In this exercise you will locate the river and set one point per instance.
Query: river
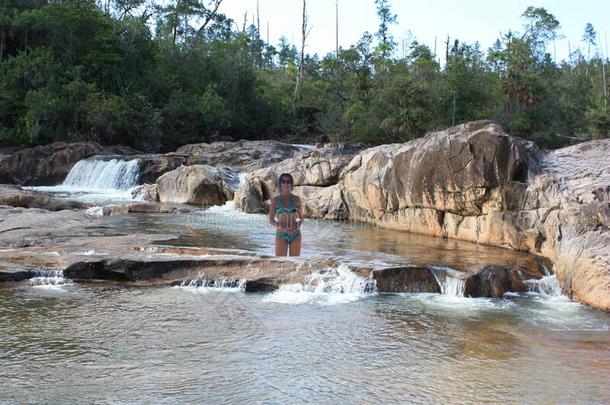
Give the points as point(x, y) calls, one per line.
point(67, 342)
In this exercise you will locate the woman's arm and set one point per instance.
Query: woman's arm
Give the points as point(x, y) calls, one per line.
point(300, 212)
point(272, 220)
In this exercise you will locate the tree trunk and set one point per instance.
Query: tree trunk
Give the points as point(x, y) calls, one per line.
point(2, 44)
point(299, 84)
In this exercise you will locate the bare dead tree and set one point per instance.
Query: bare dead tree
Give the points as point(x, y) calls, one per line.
point(336, 28)
point(304, 33)
point(209, 15)
point(243, 27)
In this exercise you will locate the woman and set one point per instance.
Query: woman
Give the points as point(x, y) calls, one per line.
point(286, 215)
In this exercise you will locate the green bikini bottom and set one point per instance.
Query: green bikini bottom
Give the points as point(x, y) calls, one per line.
point(288, 236)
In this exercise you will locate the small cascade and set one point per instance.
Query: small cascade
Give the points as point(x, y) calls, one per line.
point(227, 208)
point(547, 285)
point(94, 173)
point(450, 285)
point(242, 178)
point(202, 282)
point(453, 287)
point(341, 281)
point(333, 286)
point(49, 278)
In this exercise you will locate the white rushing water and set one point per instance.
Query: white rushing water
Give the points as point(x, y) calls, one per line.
point(101, 174)
point(450, 286)
point(95, 180)
point(334, 286)
point(547, 285)
point(202, 283)
point(49, 279)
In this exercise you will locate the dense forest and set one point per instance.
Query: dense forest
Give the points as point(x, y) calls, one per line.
point(159, 75)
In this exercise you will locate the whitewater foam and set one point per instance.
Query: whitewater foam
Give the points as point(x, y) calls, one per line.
point(334, 286)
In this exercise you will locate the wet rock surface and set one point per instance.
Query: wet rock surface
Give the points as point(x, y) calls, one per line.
point(474, 182)
point(16, 197)
point(89, 248)
point(471, 182)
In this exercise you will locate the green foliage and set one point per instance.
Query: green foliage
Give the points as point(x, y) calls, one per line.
point(129, 120)
point(71, 70)
point(386, 18)
point(600, 123)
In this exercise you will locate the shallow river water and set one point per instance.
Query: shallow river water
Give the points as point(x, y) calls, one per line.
point(179, 344)
point(63, 342)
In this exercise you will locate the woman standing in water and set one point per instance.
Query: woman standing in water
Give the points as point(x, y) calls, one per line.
point(286, 215)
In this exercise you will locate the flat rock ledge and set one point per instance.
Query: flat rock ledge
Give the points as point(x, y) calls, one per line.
point(156, 265)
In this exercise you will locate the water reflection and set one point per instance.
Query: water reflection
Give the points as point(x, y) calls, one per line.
point(226, 228)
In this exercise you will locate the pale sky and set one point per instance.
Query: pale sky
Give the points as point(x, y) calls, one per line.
point(468, 20)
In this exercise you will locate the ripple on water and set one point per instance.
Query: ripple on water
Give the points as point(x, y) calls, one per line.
point(170, 345)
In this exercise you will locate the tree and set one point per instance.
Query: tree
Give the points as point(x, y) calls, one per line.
point(304, 33)
point(590, 38)
point(287, 54)
point(386, 18)
point(541, 27)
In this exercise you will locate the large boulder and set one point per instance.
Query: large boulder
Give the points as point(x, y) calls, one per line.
point(577, 225)
point(462, 170)
point(241, 155)
point(153, 166)
point(198, 184)
point(314, 172)
point(50, 164)
point(314, 168)
point(474, 182)
point(322, 202)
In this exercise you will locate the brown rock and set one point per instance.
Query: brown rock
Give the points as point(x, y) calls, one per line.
point(145, 192)
point(199, 184)
point(405, 279)
point(241, 155)
point(495, 281)
point(16, 197)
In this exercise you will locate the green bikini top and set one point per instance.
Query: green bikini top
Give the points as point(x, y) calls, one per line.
point(279, 207)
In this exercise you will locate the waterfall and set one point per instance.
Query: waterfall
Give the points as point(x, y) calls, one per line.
point(547, 285)
point(49, 278)
point(453, 287)
point(450, 286)
point(94, 173)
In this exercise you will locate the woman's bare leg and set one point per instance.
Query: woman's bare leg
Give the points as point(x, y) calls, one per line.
point(295, 246)
point(281, 246)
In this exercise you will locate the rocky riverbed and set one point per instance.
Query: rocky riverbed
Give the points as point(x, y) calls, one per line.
point(473, 182)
